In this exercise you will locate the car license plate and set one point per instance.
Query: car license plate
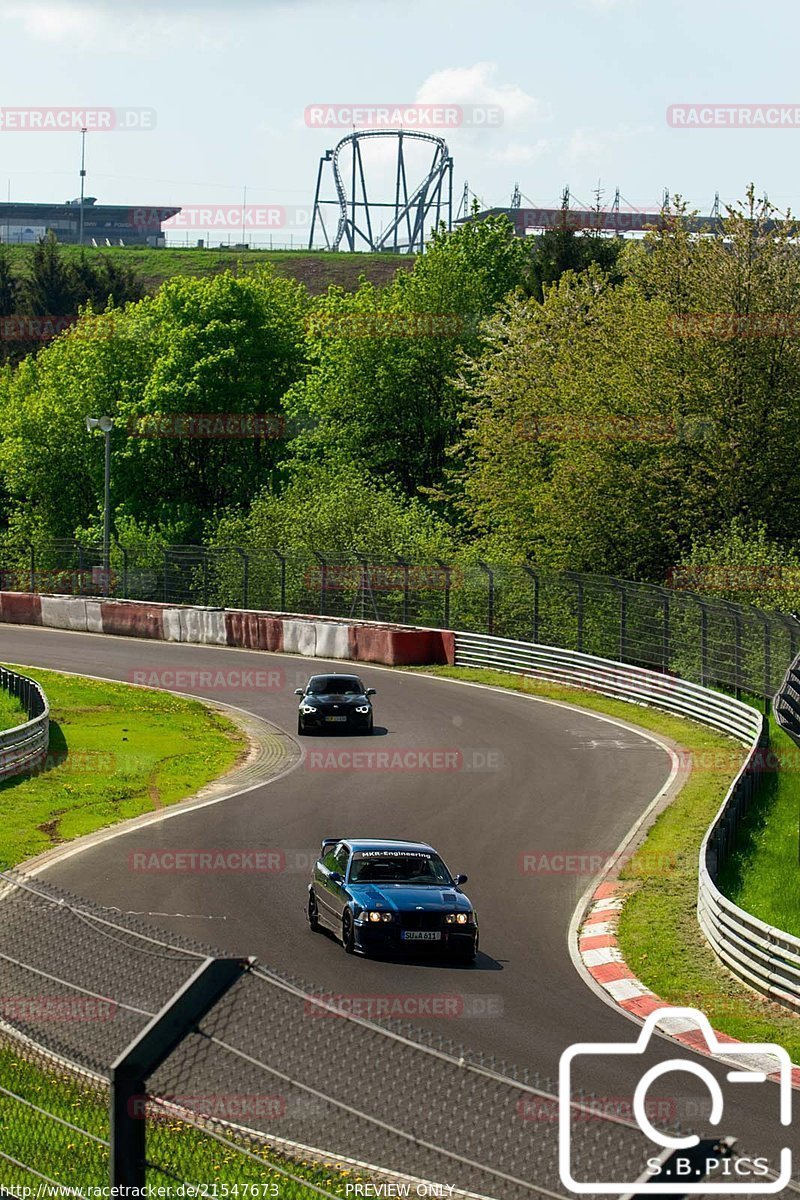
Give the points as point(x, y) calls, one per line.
point(336, 718)
point(419, 935)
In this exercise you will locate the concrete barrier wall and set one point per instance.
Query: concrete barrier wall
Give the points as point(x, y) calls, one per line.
point(276, 632)
point(201, 625)
point(20, 608)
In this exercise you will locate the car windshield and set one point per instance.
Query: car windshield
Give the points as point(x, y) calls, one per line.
point(336, 685)
point(399, 866)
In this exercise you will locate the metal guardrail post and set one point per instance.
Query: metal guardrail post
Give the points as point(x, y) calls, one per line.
point(137, 1062)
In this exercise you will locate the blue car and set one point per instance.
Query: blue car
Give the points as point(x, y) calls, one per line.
point(379, 896)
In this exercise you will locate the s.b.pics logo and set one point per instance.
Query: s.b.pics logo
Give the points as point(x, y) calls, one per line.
point(687, 1165)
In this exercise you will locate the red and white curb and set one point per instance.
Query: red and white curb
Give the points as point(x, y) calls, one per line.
point(601, 955)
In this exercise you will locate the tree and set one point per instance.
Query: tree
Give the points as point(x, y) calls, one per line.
point(380, 391)
point(611, 426)
point(193, 378)
point(49, 289)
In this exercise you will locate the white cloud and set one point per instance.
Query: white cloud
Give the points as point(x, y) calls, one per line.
point(477, 85)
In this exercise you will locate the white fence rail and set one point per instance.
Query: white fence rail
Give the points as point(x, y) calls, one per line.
point(25, 746)
point(761, 956)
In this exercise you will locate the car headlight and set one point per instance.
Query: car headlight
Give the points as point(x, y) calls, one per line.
point(363, 708)
point(307, 708)
point(457, 918)
point(375, 917)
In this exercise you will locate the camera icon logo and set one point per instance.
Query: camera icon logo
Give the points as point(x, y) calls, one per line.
point(760, 1061)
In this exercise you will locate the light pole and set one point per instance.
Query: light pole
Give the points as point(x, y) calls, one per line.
point(83, 183)
point(105, 425)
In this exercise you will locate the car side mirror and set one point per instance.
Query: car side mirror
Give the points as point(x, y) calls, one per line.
point(335, 877)
point(370, 691)
point(299, 692)
point(461, 879)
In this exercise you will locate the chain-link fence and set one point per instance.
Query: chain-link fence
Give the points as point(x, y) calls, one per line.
point(712, 642)
point(277, 1086)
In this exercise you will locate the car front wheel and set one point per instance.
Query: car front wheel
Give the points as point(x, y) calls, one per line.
point(312, 913)
point(348, 932)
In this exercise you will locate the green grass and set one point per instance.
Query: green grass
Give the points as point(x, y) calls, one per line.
point(179, 1152)
point(658, 931)
point(317, 269)
point(764, 876)
point(115, 752)
point(11, 711)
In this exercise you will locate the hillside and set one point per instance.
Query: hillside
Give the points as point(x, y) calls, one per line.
point(316, 269)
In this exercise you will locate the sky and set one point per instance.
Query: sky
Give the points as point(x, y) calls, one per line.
point(570, 93)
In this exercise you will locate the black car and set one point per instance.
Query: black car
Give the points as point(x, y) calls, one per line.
point(335, 702)
point(389, 896)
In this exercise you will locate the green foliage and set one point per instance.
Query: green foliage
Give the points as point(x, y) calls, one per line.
point(743, 564)
point(611, 426)
point(221, 346)
point(380, 392)
point(335, 510)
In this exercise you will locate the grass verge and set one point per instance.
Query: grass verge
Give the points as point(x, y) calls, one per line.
point(11, 711)
point(763, 876)
point(176, 1152)
point(115, 752)
point(658, 930)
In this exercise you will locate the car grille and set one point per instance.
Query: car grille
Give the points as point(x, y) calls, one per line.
point(421, 920)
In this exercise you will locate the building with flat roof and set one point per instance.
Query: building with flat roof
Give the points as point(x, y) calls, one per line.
point(103, 224)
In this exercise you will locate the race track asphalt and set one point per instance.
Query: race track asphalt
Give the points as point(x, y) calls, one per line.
point(534, 779)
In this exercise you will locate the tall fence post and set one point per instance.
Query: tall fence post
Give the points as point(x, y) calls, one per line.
point(166, 571)
point(767, 663)
point(737, 621)
point(282, 560)
point(703, 643)
point(401, 562)
point(323, 582)
point(530, 570)
point(123, 551)
point(623, 623)
point(33, 566)
point(490, 599)
point(665, 640)
point(446, 568)
point(145, 1054)
point(580, 615)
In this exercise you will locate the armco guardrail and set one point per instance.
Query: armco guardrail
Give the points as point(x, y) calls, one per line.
point(25, 746)
point(761, 956)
